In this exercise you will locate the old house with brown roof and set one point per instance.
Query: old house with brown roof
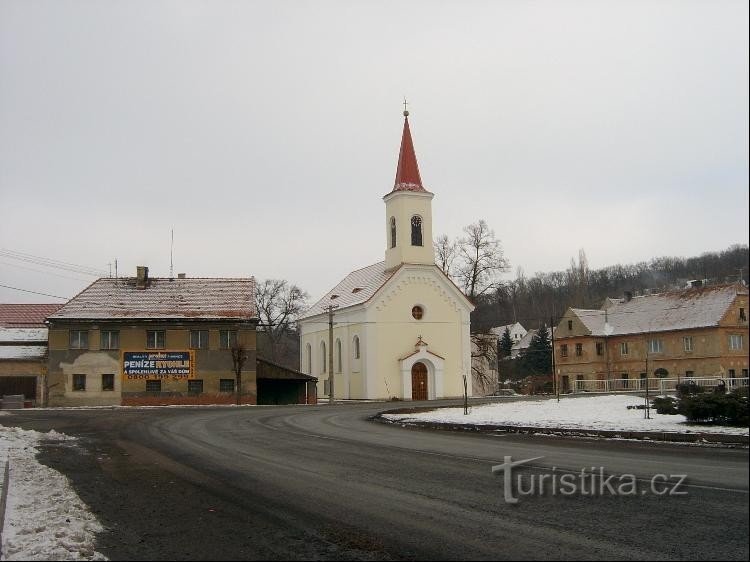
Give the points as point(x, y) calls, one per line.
point(698, 332)
point(23, 350)
point(149, 341)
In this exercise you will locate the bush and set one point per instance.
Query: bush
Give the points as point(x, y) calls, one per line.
point(665, 405)
point(688, 389)
point(723, 409)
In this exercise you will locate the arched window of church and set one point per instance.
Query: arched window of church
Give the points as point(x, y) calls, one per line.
point(416, 230)
point(393, 232)
point(356, 347)
point(323, 357)
point(338, 356)
point(309, 359)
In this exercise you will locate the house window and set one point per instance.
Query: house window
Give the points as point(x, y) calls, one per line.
point(356, 347)
point(570, 325)
point(79, 382)
point(155, 339)
point(689, 374)
point(564, 350)
point(687, 342)
point(743, 318)
point(108, 381)
point(338, 356)
point(579, 349)
point(735, 341)
point(79, 339)
point(416, 230)
point(226, 385)
point(599, 348)
point(195, 386)
point(732, 373)
point(624, 348)
point(744, 373)
point(199, 339)
point(655, 346)
point(227, 339)
point(110, 339)
point(417, 312)
point(153, 386)
point(393, 232)
point(625, 381)
point(643, 377)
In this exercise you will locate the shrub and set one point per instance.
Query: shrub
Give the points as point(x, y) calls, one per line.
point(724, 409)
point(688, 389)
point(665, 405)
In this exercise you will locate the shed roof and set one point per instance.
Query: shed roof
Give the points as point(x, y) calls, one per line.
point(16, 315)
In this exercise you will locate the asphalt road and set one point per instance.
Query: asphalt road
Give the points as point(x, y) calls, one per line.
point(323, 482)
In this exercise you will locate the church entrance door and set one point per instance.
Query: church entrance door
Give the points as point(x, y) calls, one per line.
point(419, 382)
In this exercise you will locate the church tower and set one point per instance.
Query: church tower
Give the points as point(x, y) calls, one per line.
point(408, 211)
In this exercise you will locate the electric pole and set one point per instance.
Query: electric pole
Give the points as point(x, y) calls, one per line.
point(330, 309)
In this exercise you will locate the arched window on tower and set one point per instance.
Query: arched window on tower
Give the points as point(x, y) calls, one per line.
point(356, 347)
point(338, 356)
point(393, 232)
point(416, 230)
point(323, 358)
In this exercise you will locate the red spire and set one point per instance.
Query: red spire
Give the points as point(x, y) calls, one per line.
point(407, 173)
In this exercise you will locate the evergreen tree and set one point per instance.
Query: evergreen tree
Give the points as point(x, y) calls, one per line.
point(538, 359)
point(506, 344)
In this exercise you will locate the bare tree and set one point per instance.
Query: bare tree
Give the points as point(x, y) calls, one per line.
point(446, 251)
point(482, 260)
point(484, 361)
point(279, 304)
point(239, 358)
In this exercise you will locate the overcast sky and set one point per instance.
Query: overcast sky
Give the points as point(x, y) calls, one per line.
point(266, 133)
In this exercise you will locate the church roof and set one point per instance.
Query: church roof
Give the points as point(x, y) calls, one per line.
point(407, 171)
point(356, 288)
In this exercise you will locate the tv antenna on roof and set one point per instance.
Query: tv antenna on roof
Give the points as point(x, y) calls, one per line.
point(171, 251)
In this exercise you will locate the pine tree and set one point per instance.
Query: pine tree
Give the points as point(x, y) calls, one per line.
point(506, 344)
point(538, 359)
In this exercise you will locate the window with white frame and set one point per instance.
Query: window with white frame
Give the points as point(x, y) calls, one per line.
point(227, 339)
point(199, 339)
point(655, 346)
point(79, 339)
point(109, 339)
point(687, 343)
point(735, 341)
point(156, 339)
point(79, 383)
point(624, 348)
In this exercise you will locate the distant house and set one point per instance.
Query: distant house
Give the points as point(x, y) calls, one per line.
point(148, 341)
point(696, 332)
point(522, 346)
point(23, 350)
point(517, 331)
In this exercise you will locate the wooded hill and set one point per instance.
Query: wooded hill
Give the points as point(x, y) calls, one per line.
point(533, 301)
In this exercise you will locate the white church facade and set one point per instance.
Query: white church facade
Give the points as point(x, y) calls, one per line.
point(401, 327)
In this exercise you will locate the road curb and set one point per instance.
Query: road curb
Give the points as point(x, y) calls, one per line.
point(699, 438)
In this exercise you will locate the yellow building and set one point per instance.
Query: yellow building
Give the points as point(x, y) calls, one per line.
point(151, 341)
point(693, 333)
point(401, 326)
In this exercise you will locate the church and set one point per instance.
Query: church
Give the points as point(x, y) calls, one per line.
point(400, 326)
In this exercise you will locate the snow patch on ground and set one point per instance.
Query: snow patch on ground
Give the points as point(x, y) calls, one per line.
point(608, 413)
point(44, 519)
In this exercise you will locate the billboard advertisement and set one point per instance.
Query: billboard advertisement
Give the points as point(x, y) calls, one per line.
point(158, 365)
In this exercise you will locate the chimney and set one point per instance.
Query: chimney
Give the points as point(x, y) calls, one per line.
point(180, 276)
point(628, 296)
point(141, 281)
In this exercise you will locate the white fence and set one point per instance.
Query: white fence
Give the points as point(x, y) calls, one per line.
point(654, 384)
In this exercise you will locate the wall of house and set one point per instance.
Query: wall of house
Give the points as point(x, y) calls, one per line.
point(35, 369)
point(210, 365)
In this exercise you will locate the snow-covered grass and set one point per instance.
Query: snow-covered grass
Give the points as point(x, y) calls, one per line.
point(45, 519)
point(587, 412)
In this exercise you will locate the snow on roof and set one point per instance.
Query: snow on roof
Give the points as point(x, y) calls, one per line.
point(500, 330)
point(23, 352)
point(356, 288)
point(26, 315)
point(188, 298)
point(677, 310)
point(23, 335)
